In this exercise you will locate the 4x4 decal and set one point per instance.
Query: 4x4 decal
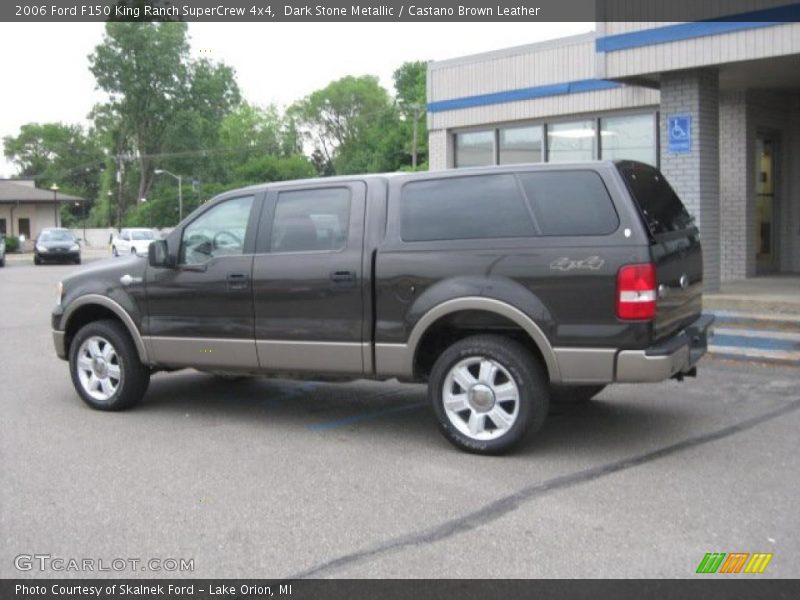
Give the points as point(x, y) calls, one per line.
point(565, 263)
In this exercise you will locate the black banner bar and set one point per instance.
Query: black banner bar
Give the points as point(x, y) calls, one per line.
point(268, 11)
point(709, 588)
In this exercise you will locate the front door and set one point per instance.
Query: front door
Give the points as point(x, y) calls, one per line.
point(307, 279)
point(765, 200)
point(200, 313)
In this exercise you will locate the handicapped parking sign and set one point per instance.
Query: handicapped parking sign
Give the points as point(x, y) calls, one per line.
point(679, 134)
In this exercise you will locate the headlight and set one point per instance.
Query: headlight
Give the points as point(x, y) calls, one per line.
point(41, 249)
point(74, 248)
point(60, 288)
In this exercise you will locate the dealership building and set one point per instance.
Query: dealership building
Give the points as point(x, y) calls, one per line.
point(714, 104)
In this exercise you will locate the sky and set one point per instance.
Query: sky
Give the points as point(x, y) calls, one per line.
point(47, 79)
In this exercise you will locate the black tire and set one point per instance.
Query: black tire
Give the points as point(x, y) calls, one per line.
point(3, 262)
point(36, 260)
point(521, 367)
point(78, 260)
point(574, 394)
point(114, 251)
point(135, 377)
point(133, 251)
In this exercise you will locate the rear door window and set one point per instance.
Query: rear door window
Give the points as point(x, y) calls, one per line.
point(463, 208)
point(660, 206)
point(570, 203)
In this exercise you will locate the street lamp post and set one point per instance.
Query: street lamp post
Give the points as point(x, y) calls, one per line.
point(180, 190)
point(55, 189)
point(83, 217)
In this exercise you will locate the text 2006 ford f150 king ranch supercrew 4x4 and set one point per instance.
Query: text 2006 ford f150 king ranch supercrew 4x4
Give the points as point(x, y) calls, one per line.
point(500, 287)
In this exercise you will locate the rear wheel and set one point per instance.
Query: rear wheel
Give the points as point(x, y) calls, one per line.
point(133, 251)
point(105, 367)
point(574, 394)
point(114, 251)
point(488, 392)
point(37, 260)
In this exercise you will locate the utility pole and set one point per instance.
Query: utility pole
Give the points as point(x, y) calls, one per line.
point(119, 191)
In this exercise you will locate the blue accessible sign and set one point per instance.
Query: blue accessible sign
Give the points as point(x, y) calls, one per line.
point(679, 134)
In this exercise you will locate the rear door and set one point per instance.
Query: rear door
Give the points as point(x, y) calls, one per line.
point(308, 279)
point(675, 247)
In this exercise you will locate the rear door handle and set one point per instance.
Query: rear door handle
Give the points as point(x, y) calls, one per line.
point(238, 281)
point(343, 278)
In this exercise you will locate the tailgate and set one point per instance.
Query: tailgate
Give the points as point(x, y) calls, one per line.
point(674, 245)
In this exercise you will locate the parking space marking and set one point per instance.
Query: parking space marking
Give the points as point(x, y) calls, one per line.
point(506, 504)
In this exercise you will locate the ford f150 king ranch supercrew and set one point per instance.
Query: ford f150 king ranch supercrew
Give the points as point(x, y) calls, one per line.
point(500, 287)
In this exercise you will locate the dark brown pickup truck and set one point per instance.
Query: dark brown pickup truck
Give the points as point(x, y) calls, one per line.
point(500, 287)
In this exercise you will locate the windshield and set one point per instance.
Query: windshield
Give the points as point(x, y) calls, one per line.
point(143, 235)
point(56, 236)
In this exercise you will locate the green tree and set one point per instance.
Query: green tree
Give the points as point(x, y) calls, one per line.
point(351, 124)
point(143, 67)
point(66, 155)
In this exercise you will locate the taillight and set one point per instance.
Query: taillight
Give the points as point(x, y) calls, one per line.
point(636, 292)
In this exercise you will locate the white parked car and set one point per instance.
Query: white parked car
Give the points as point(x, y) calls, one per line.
point(133, 241)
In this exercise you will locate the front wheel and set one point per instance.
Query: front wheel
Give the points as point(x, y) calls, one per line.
point(488, 392)
point(114, 251)
point(105, 367)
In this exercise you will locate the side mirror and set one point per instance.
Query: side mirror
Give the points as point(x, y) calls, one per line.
point(158, 254)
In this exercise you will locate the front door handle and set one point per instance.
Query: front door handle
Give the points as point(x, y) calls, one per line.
point(238, 281)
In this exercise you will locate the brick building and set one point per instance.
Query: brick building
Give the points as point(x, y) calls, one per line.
point(714, 104)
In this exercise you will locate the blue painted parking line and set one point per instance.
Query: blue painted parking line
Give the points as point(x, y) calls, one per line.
point(763, 343)
point(327, 425)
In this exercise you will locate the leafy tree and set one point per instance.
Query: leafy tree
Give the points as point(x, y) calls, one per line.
point(144, 69)
point(347, 123)
point(58, 153)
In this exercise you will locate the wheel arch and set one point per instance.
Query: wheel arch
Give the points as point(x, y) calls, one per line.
point(402, 359)
point(94, 307)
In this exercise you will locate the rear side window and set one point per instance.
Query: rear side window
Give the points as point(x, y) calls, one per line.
point(660, 206)
point(570, 203)
point(464, 208)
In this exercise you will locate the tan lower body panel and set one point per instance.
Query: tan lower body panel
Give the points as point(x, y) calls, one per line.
point(204, 352)
point(315, 357)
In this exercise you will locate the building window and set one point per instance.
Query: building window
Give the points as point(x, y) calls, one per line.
point(2, 226)
point(475, 149)
point(567, 142)
point(520, 145)
point(24, 228)
point(629, 137)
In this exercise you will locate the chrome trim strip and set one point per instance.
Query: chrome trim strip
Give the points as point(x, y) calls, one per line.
point(586, 365)
point(117, 309)
point(398, 359)
point(204, 352)
point(317, 357)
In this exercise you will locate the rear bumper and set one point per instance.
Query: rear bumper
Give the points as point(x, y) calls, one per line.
point(675, 356)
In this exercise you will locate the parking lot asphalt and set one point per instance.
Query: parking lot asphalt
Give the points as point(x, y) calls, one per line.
point(273, 478)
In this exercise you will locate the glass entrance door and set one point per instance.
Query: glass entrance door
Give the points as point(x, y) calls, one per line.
point(765, 204)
